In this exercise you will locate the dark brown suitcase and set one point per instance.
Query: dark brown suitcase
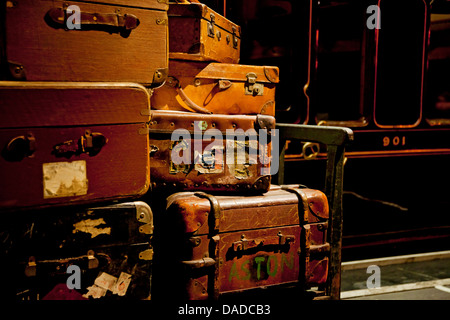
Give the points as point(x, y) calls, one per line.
point(111, 245)
point(208, 159)
point(226, 244)
point(201, 34)
point(118, 40)
point(68, 143)
point(218, 88)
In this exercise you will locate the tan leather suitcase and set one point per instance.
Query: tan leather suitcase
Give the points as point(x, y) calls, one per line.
point(190, 151)
point(199, 33)
point(218, 88)
point(223, 244)
point(117, 40)
point(65, 143)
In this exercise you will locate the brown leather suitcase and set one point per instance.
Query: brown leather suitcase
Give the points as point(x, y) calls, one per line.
point(66, 143)
point(201, 34)
point(229, 244)
point(117, 40)
point(102, 252)
point(218, 88)
point(184, 156)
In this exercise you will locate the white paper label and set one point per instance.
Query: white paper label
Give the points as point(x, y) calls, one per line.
point(106, 281)
point(64, 179)
point(122, 284)
point(95, 292)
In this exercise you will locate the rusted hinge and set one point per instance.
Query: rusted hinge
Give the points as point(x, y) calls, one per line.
point(146, 254)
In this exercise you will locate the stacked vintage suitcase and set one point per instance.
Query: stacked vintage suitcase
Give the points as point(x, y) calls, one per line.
point(75, 107)
point(77, 130)
point(228, 230)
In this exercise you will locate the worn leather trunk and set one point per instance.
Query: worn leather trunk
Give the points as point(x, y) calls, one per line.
point(218, 88)
point(117, 40)
point(201, 34)
point(71, 143)
point(190, 151)
point(109, 245)
point(229, 244)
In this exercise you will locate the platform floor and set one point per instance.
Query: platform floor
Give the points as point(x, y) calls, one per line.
point(410, 277)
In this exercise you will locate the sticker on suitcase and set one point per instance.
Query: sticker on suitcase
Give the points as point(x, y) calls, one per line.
point(65, 179)
point(92, 227)
point(261, 267)
point(242, 149)
point(105, 282)
point(211, 161)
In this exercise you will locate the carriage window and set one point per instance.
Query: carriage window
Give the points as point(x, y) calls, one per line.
point(340, 56)
point(437, 98)
point(400, 63)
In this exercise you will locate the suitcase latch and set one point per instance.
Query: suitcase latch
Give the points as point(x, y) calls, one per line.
point(253, 88)
point(211, 24)
point(235, 38)
point(285, 239)
point(90, 143)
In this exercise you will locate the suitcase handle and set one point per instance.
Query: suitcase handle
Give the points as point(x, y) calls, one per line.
point(59, 17)
point(200, 263)
point(89, 261)
point(278, 240)
point(191, 104)
point(174, 82)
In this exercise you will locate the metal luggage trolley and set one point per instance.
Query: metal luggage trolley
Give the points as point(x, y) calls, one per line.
point(336, 139)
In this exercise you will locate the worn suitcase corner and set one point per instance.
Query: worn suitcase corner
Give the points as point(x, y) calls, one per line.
point(190, 208)
point(262, 184)
point(272, 73)
point(144, 215)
